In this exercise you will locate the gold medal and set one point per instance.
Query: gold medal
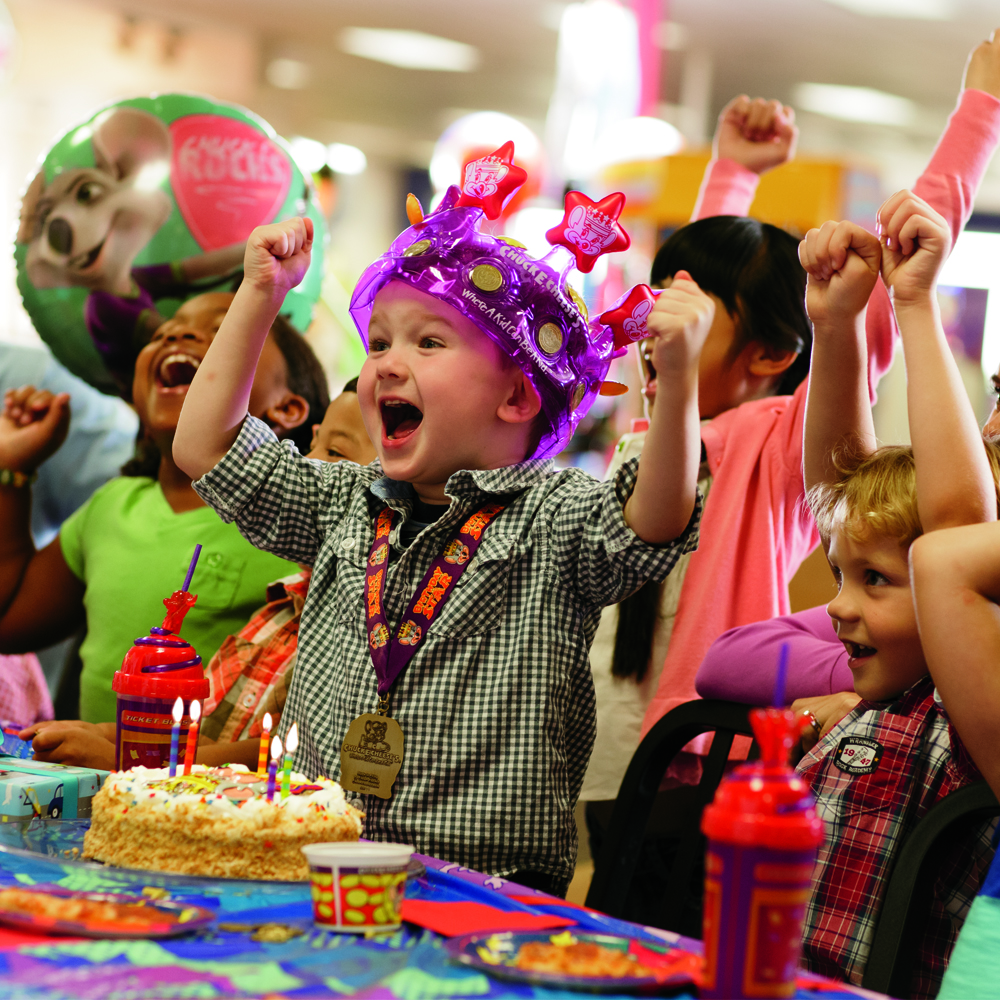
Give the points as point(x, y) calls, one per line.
point(371, 755)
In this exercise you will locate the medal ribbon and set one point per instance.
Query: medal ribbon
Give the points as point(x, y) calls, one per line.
point(391, 654)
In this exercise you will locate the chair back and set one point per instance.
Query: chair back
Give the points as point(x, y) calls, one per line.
point(614, 868)
point(899, 927)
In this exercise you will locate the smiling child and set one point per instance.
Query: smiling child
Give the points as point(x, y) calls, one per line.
point(457, 582)
point(125, 549)
point(880, 769)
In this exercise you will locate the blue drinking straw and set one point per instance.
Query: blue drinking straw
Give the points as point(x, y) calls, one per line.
point(781, 677)
point(194, 562)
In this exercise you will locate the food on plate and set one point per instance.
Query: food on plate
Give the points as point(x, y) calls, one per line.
point(81, 909)
point(578, 959)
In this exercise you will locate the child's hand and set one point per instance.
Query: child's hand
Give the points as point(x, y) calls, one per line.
point(757, 134)
point(679, 322)
point(33, 425)
point(81, 744)
point(277, 255)
point(842, 261)
point(915, 243)
point(982, 71)
point(828, 710)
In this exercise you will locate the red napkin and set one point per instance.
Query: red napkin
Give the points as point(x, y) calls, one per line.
point(550, 901)
point(454, 919)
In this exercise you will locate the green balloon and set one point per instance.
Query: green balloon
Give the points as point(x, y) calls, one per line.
point(140, 208)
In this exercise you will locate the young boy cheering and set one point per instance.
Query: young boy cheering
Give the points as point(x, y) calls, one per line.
point(442, 662)
point(877, 772)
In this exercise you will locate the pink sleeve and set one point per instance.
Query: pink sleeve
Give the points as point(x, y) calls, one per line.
point(727, 188)
point(817, 663)
point(949, 185)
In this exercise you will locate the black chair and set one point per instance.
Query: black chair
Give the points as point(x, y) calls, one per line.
point(899, 925)
point(615, 865)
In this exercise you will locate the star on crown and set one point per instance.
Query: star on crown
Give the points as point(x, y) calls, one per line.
point(629, 318)
point(590, 228)
point(491, 181)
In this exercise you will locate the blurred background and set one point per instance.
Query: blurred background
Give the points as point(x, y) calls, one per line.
point(387, 97)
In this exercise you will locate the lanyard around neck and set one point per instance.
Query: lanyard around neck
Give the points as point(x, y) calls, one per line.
point(391, 654)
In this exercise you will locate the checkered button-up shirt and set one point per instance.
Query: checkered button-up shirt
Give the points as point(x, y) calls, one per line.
point(497, 706)
point(875, 776)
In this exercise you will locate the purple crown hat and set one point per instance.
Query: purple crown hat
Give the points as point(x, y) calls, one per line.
point(524, 305)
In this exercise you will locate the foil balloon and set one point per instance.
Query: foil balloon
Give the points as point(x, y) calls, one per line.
point(140, 208)
point(525, 305)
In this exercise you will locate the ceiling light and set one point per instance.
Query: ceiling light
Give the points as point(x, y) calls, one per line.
point(924, 10)
point(309, 154)
point(635, 139)
point(854, 104)
point(409, 49)
point(479, 130)
point(287, 74)
point(344, 159)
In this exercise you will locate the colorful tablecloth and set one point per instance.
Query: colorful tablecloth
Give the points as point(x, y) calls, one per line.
point(410, 964)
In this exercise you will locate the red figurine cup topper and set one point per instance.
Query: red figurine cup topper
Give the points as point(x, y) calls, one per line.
point(159, 668)
point(763, 836)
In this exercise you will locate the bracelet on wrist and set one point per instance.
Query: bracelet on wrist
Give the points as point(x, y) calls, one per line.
point(19, 480)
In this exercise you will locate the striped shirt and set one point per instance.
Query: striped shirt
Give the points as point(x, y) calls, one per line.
point(497, 706)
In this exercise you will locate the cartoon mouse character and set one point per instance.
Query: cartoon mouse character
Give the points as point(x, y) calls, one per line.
point(373, 738)
point(87, 225)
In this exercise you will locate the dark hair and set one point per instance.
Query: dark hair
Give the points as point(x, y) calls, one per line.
point(306, 378)
point(351, 386)
point(754, 268)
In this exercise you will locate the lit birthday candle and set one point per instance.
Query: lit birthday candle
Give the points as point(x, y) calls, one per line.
point(192, 740)
point(272, 768)
point(265, 739)
point(175, 734)
point(291, 745)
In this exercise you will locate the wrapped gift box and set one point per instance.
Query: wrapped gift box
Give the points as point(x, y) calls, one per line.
point(34, 788)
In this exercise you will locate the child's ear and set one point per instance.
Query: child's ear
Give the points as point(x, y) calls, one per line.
point(523, 403)
point(768, 362)
point(289, 412)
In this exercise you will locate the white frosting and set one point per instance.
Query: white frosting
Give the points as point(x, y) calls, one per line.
point(136, 783)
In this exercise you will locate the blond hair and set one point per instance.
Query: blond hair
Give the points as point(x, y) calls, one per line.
point(876, 493)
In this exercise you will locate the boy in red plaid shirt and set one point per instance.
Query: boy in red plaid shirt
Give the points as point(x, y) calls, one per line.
point(877, 771)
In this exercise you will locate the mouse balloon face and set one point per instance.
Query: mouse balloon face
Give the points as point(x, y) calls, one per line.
point(144, 205)
point(525, 305)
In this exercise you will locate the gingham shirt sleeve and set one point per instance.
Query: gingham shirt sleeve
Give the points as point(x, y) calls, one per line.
point(281, 502)
point(602, 558)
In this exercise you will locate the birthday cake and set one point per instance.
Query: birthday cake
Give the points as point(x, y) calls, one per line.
point(215, 821)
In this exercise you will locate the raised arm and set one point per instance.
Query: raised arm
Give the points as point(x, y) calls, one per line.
point(954, 481)
point(949, 182)
point(752, 137)
point(277, 256)
point(842, 262)
point(41, 601)
point(956, 588)
point(663, 499)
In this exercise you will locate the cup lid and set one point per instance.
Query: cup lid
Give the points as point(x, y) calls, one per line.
point(358, 853)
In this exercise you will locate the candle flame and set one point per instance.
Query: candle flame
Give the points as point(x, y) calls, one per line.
point(267, 722)
point(178, 712)
point(292, 739)
point(195, 710)
point(275, 749)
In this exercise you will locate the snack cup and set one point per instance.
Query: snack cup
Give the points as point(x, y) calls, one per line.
point(357, 887)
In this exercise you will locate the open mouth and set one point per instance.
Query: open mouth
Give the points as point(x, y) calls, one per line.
point(856, 651)
point(648, 368)
point(86, 260)
point(176, 370)
point(399, 418)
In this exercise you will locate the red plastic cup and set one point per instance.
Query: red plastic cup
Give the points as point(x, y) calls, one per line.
point(159, 668)
point(763, 836)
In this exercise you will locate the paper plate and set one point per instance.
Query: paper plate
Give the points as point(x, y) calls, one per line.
point(186, 918)
point(495, 954)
